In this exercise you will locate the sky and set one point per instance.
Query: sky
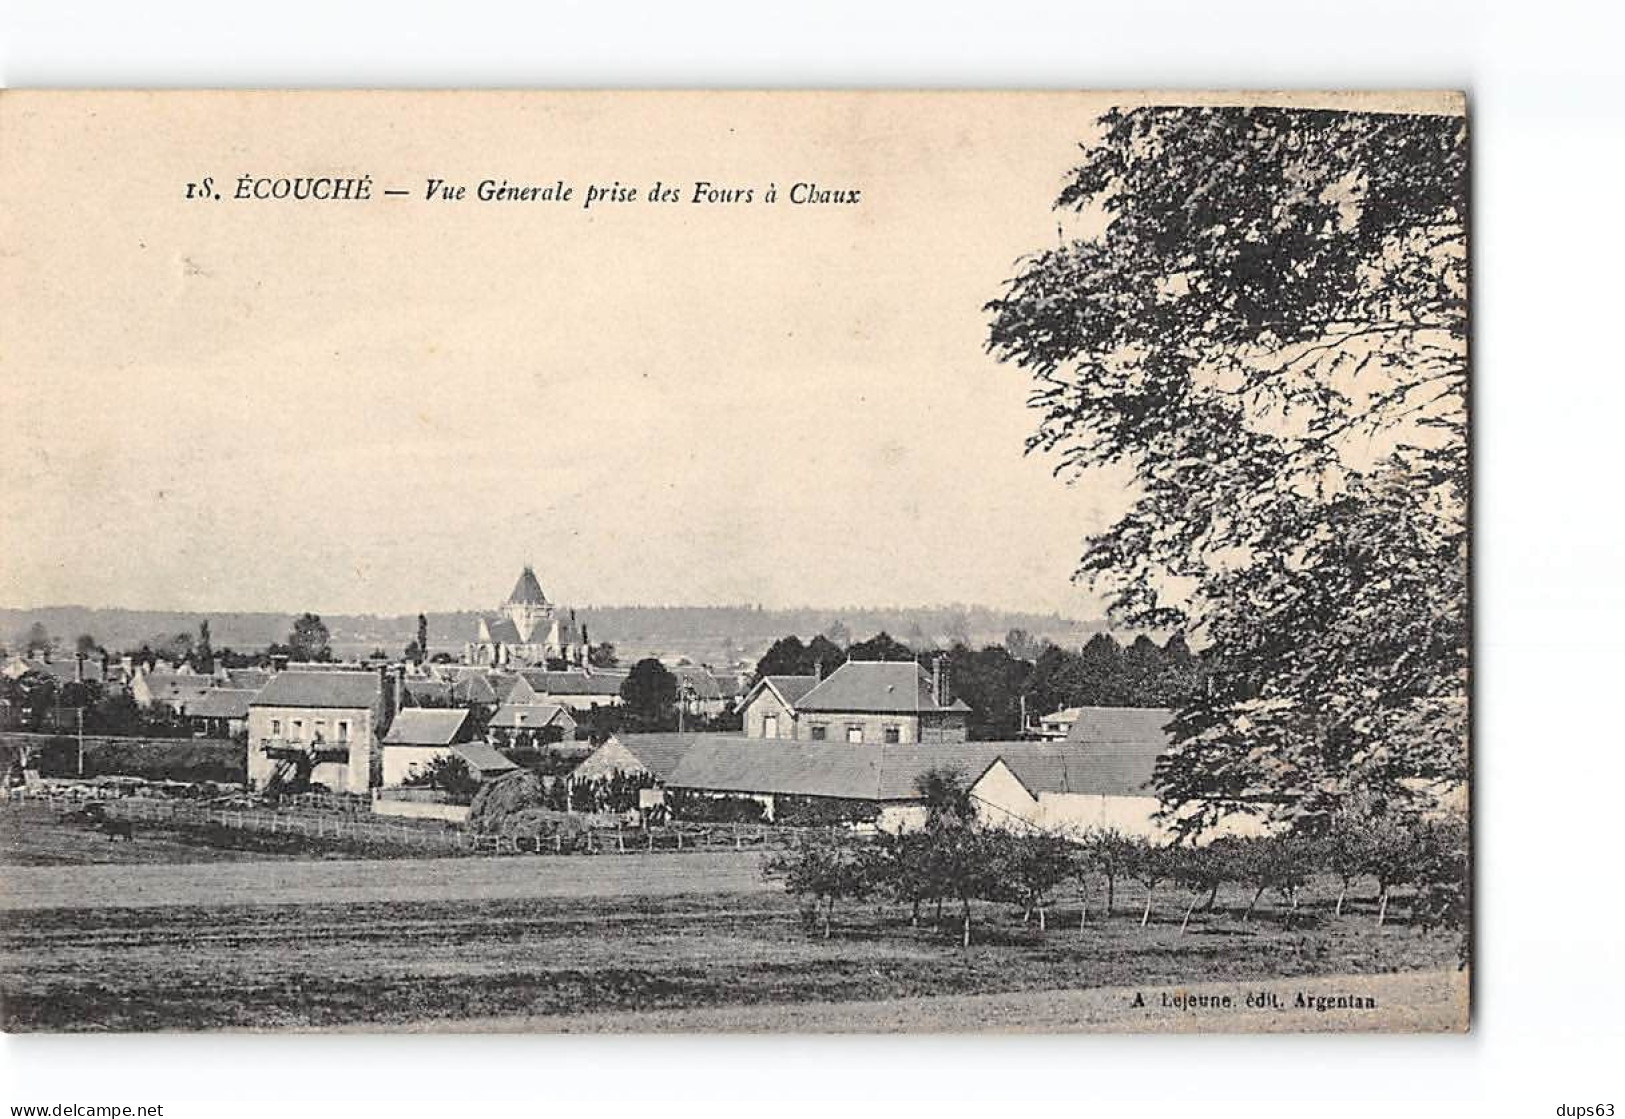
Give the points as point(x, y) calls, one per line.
point(392, 405)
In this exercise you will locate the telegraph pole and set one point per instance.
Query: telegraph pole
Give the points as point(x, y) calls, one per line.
point(80, 712)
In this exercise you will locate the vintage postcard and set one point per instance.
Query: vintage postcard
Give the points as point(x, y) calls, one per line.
point(734, 562)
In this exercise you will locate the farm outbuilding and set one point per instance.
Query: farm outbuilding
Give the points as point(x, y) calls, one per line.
point(419, 736)
point(484, 762)
point(222, 712)
point(1100, 778)
point(633, 754)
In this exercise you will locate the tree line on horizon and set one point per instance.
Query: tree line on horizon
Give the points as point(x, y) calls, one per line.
point(1022, 676)
point(712, 634)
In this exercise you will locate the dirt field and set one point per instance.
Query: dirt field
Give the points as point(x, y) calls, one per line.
point(1413, 1002)
point(360, 881)
point(648, 942)
point(625, 942)
point(33, 835)
point(38, 834)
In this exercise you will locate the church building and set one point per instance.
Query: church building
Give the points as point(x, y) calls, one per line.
point(527, 631)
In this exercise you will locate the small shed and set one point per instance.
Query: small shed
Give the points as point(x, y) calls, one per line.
point(522, 723)
point(222, 712)
point(418, 736)
point(483, 761)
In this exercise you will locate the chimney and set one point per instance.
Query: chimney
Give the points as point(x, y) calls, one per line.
point(386, 693)
point(78, 668)
point(818, 670)
point(936, 680)
point(400, 686)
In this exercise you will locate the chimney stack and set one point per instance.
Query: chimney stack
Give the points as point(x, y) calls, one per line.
point(386, 700)
point(78, 668)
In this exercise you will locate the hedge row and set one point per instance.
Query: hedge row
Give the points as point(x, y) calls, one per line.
point(154, 759)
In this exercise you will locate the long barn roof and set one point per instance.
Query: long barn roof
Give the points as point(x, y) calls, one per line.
point(889, 772)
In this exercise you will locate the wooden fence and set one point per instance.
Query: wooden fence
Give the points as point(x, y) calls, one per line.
point(312, 825)
point(559, 838)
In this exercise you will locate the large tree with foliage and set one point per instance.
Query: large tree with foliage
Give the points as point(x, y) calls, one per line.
point(785, 657)
point(1269, 330)
point(650, 693)
point(789, 656)
point(35, 640)
point(308, 640)
point(881, 647)
point(203, 651)
point(992, 683)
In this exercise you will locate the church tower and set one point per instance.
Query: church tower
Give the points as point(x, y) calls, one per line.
point(527, 607)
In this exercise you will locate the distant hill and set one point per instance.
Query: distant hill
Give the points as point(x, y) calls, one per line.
point(706, 634)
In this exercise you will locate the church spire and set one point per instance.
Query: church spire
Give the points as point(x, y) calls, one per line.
point(527, 591)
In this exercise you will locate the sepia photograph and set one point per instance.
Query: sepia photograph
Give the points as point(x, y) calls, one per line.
point(736, 562)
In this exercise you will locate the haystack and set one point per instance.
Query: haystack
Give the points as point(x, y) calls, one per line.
point(505, 797)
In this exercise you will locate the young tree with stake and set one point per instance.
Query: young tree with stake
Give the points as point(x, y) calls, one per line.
point(1201, 870)
point(1151, 866)
point(1113, 854)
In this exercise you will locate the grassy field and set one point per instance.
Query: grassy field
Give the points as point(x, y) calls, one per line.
point(175, 932)
point(1412, 1001)
point(543, 962)
point(362, 882)
point(35, 834)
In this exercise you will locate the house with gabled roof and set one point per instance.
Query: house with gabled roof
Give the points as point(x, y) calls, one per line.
point(333, 722)
point(886, 702)
point(1054, 726)
point(419, 735)
point(425, 691)
point(769, 708)
point(579, 689)
point(524, 724)
point(242, 679)
point(222, 712)
point(702, 691)
point(177, 691)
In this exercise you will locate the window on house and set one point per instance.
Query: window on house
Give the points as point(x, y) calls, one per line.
point(298, 734)
point(276, 728)
point(854, 734)
point(770, 726)
point(894, 734)
point(819, 732)
point(344, 730)
point(321, 730)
